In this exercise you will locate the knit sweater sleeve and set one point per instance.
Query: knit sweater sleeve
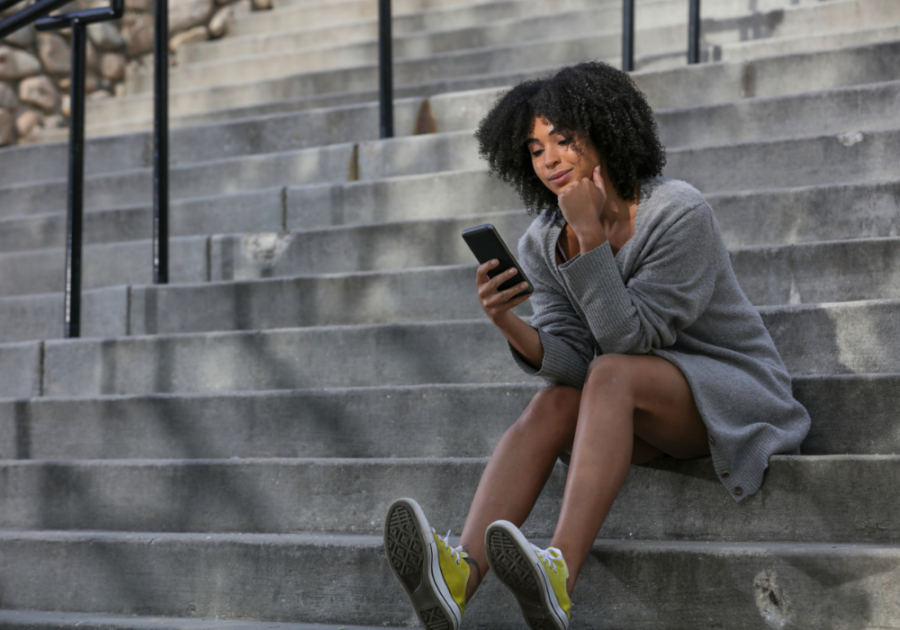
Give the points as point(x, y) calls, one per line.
point(666, 293)
point(568, 347)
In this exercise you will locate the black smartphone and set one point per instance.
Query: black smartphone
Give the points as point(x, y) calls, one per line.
point(486, 244)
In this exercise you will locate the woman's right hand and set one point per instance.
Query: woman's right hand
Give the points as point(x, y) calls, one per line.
point(498, 303)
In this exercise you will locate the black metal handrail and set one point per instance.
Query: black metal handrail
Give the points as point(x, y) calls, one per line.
point(385, 71)
point(78, 21)
point(693, 53)
point(161, 143)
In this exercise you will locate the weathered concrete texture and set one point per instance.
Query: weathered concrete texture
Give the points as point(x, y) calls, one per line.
point(269, 495)
point(847, 338)
point(274, 133)
point(814, 213)
point(217, 177)
point(368, 298)
point(624, 584)
point(755, 165)
point(770, 76)
point(444, 352)
point(822, 339)
point(820, 272)
point(463, 420)
point(661, 33)
point(850, 415)
point(20, 369)
point(429, 196)
point(717, 83)
point(104, 313)
point(378, 246)
point(804, 499)
point(766, 216)
point(253, 211)
point(43, 271)
point(35, 620)
point(849, 109)
point(847, 158)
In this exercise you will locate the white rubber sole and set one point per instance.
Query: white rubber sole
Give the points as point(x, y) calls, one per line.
point(413, 557)
point(516, 565)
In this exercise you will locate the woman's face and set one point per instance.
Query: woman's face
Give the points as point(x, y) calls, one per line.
point(557, 159)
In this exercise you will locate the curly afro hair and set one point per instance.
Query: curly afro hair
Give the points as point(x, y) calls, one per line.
point(591, 100)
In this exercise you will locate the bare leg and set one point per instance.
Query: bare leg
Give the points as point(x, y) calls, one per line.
point(519, 468)
point(631, 407)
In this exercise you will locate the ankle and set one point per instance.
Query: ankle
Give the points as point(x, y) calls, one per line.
point(474, 580)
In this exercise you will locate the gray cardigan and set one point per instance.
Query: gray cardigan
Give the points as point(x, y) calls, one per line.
point(669, 291)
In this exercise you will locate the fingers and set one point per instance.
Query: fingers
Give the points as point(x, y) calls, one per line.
point(492, 300)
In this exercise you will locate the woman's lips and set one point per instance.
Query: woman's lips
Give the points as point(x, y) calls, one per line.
point(561, 177)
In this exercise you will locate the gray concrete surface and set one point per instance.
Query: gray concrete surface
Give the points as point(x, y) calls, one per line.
point(214, 177)
point(104, 313)
point(852, 414)
point(731, 585)
point(718, 82)
point(35, 620)
point(662, 30)
point(804, 499)
point(253, 211)
point(841, 338)
point(43, 270)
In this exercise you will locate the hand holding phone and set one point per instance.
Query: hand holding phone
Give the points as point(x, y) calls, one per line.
point(498, 289)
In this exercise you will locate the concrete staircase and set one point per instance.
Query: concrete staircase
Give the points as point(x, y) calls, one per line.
point(220, 452)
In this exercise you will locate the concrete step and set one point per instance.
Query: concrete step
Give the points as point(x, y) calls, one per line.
point(782, 163)
point(303, 16)
point(253, 211)
point(127, 262)
point(704, 84)
point(793, 274)
point(804, 498)
point(442, 30)
point(810, 42)
point(214, 177)
point(733, 585)
point(768, 215)
point(663, 34)
point(840, 338)
point(104, 313)
point(747, 51)
point(830, 111)
point(865, 270)
point(39, 620)
point(825, 159)
point(851, 414)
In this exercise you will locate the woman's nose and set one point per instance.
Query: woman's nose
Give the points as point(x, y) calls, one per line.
point(551, 157)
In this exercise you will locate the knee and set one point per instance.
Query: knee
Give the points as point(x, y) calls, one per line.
point(548, 410)
point(609, 370)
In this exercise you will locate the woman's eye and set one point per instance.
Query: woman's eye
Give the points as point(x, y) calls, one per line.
point(565, 142)
point(537, 153)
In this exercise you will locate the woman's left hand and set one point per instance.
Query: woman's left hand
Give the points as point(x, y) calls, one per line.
point(581, 203)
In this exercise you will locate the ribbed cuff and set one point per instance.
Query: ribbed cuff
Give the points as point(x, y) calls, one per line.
point(561, 365)
point(596, 282)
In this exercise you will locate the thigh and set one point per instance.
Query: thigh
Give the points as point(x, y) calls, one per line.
point(665, 414)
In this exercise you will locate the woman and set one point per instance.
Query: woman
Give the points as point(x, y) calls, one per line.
point(647, 342)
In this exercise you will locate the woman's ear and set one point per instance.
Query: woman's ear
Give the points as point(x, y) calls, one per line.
point(598, 179)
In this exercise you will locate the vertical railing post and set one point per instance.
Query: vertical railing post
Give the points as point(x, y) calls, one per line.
point(694, 32)
point(385, 71)
point(628, 35)
point(76, 183)
point(161, 144)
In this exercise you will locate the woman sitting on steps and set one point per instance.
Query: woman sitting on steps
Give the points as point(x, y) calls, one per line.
point(647, 342)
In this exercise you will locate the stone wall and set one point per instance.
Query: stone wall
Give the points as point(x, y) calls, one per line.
point(34, 67)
